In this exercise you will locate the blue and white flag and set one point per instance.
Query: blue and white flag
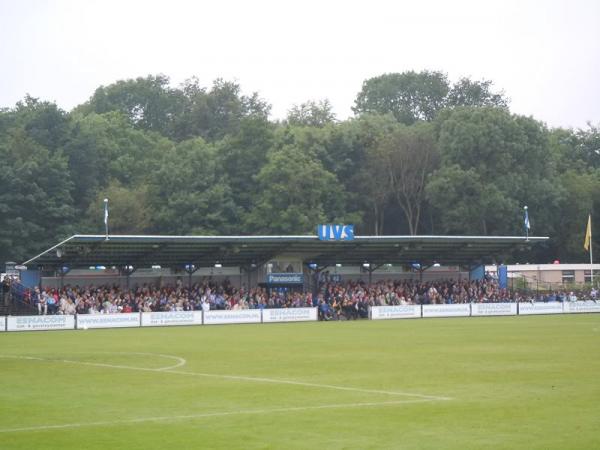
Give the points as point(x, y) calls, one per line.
point(106, 212)
point(527, 226)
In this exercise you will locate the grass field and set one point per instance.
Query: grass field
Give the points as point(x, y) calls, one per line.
point(501, 382)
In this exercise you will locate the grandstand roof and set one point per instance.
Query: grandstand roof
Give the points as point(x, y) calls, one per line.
point(205, 251)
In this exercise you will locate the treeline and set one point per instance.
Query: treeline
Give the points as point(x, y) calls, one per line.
point(422, 155)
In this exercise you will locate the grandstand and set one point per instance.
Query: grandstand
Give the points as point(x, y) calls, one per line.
point(261, 272)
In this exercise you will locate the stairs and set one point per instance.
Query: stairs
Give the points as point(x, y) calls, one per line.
point(16, 304)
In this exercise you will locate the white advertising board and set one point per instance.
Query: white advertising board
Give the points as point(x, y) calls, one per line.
point(527, 308)
point(108, 320)
point(34, 323)
point(162, 319)
point(232, 316)
point(289, 314)
point(396, 312)
point(2, 324)
point(582, 307)
point(452, 310)
point(493, 309)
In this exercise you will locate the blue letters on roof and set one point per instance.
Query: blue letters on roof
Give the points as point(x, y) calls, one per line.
point(335, 232)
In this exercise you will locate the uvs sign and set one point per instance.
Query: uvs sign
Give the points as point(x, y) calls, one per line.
point(335, 232)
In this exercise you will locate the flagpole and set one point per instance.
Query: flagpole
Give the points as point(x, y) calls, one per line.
point(591, 256)
point(526, 223)
point(106, 217)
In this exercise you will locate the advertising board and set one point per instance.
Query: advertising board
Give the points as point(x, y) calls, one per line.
point(582, 307)
point(108, 320)
point(493, 309)
point(163, 319)
point(218, 317)
point(528, 308)
point(396, 312)
point(289, 314)
point(37, 323)
point(451, 310)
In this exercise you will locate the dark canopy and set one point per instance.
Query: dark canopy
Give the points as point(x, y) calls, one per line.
point(80, 251)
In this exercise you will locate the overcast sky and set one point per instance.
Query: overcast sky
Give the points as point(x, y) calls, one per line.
point(544, 54)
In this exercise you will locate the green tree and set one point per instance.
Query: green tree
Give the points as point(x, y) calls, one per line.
point(129, 210)
point(507, 158)
point(36, 209)
point(296, 194)
point(147, 102)
point(242, 155)
point(215, 113)
point(44, 122)
point(106, 146)
point(311, 114)
point(466, 92)
point(409, 96)
point(466, 204)
point(189, 194)
point(581, 199)
point(405, 158)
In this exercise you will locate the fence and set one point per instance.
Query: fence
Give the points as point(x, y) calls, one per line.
point(191, 318)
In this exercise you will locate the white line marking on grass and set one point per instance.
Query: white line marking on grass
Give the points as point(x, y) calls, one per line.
point(241, 378)
point(208, 415)
point(180, 361)
point(303, 383)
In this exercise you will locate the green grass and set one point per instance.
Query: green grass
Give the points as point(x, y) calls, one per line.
point(514, 383)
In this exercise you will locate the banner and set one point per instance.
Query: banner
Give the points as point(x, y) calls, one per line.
point(232, 316)
point(527, 308)
point(35, 323)
point(108, 320)
point(2, 324)
point(289, 314)
point(285, 278)
point(330, 232)
point(502, 277)
point(588, 306)
point(493, 309)
point(162, 319)
point(452, 310)
point(396, 312)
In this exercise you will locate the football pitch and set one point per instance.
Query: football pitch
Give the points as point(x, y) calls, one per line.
point(472, 383)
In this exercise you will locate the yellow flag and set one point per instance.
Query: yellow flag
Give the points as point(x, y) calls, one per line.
point(588, 234)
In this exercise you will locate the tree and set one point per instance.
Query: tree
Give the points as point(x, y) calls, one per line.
point(311, 114)
point(466, 204)
point(189, 194)
point(215, 113)
point(147, 102)
point(106, 146)
point(44, 122)
point(466, 92)
point(412, 96)
point(129, 210)
point(406, 157)
point(409, 96)
point(580, 199)
point(296, 194)
point(490, 155)
point(242, 155)
point(36, 209)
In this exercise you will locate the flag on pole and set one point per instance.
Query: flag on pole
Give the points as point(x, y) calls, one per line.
point(527, 226)
point(588, 234)
point(106, 217)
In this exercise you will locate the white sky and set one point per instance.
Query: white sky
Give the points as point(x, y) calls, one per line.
point(544, 54)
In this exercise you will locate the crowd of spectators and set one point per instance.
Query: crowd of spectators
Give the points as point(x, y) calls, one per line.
point(149, 297)
point(335, 300)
